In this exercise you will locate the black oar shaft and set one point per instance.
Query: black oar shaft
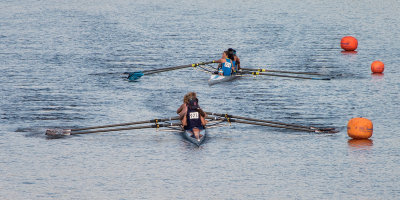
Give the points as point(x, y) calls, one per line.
point(257, 120)
point(128, 128)
point(288, 72)
point(162, 70)
point(288, 76)
point(271, 125)
point(276, 124)
point(165, 69)
point(174, 68)
point(127, 124)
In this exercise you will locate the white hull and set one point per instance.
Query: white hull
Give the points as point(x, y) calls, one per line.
point(214, 79)
point(187, 135)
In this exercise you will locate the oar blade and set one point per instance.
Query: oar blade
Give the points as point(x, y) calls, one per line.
point(58, 132)
point(133, 76)
point(326, 130)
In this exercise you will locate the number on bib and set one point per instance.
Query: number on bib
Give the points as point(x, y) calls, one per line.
point(228, 65)
point(194, 115)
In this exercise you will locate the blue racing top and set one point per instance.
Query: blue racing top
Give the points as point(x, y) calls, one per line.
point(228, 67)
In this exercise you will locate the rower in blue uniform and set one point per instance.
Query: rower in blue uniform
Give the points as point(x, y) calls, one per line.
point(236, 58)
point(228, 62)
point(194, 120)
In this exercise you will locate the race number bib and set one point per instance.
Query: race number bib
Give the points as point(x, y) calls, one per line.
point(194, 115)
point(228, 65)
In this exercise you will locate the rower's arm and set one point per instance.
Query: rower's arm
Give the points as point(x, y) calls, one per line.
point(238, 62)
point(203, 121)
point(184, 121)
point(220, 60)
point(179, 109)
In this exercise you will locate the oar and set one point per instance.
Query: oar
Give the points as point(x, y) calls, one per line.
point(71, 131)
point(257, 120)
point(156, 125)
point(288, 76)
point(288, 72)
point(128, 128)
point(272, 122)
point(270, 125)
point(136, 75)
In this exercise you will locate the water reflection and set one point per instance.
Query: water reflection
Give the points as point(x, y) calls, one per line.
point(361, 144)
point(350, 55)
point(377, 76)
point(349, 52)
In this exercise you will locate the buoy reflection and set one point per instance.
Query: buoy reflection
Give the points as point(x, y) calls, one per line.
point(349, 52)
point(360, 143)
point(377, 76)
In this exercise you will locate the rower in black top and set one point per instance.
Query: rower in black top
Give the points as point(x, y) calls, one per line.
point(194, 120)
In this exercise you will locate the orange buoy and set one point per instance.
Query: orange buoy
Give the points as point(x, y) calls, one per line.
point(359, 128)
point(377, 67)
point(349, 43)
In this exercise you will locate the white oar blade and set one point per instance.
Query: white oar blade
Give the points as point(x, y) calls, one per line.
point(58, 132)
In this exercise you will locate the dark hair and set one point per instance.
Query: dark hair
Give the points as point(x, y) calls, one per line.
point(189, 96)
point(230, 55)
point(232, 50)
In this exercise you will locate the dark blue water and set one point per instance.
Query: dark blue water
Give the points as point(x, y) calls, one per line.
point(62, 65)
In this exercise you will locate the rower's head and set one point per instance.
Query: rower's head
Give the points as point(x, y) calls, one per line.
point(224, 55)
point(229, 54)
point(233, 51)
point(194, 104)
point(188, 96)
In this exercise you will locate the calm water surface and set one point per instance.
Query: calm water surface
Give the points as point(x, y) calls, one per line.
point(61, 65)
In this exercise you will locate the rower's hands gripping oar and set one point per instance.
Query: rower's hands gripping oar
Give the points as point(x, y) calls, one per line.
point(132, 76)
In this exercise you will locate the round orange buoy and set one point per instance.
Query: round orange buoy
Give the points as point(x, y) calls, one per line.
point(349, 43)
point(377, 66)
point(359, 128)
